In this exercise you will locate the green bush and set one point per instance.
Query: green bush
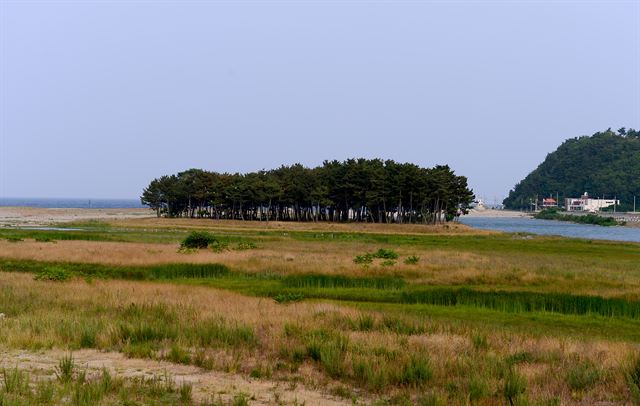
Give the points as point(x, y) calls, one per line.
point(53, 273)
point(44, 239)
point(389, 257)
point(553, 214)
point(412, 260)
point(363, 259)
point(198, 239)
point(219, 246)
point(385, 254)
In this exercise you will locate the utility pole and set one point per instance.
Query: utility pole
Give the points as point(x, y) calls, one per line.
point(634, 204)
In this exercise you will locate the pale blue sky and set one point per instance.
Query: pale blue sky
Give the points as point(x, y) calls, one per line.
point(97, 98)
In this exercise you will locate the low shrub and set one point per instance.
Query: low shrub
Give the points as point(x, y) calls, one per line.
point(288, 297)
point(44, 239)
point(389, 257)
point(553, 214)
point(219, 246)
point(245, 245)
point(385, 254)
point(185, 250)
point(53, 273)
point(198, 239)
point(412, 260)
point(364, 259)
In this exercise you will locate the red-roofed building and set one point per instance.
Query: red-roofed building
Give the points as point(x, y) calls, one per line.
point(549, 202)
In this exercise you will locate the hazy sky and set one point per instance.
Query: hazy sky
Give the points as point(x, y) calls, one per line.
point(98, 98)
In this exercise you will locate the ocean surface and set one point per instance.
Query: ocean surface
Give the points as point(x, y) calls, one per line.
point(71, 203)
point(553, 227)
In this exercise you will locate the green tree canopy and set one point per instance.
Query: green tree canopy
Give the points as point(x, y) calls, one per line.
point(369, 190)
point(604, 164)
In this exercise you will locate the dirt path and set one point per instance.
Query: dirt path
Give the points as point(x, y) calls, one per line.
point(205, 384)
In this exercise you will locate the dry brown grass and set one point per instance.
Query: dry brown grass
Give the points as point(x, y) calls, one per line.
point(238, 225)
point(436, 266)
point(449, 347)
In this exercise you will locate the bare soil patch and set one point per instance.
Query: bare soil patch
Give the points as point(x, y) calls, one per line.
point(35, 216)
point(206, 384)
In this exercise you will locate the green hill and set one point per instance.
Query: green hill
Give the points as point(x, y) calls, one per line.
point(606, 163)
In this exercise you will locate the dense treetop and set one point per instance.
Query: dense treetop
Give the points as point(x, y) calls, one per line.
point(606, 163)
point(370, 190)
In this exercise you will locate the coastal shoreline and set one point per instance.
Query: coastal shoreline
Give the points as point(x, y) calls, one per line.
point(493, 213)
point(18, 216)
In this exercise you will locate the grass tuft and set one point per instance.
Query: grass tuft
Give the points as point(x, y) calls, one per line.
point(288, 297)
point(582, 376)
point(65, 368)
point(633, 380)
point(514, 387)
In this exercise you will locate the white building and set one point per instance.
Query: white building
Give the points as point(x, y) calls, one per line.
point(585, 203)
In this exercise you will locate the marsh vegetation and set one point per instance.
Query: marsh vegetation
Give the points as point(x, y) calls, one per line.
point(459, 316)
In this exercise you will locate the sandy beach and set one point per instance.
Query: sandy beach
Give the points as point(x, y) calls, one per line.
point(35, 216)
point(496, 213)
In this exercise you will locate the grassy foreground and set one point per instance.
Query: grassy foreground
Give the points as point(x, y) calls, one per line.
point(432, 316)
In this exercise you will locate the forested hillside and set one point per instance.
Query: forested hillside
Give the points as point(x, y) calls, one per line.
point(606, 163)
point(370, 190)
